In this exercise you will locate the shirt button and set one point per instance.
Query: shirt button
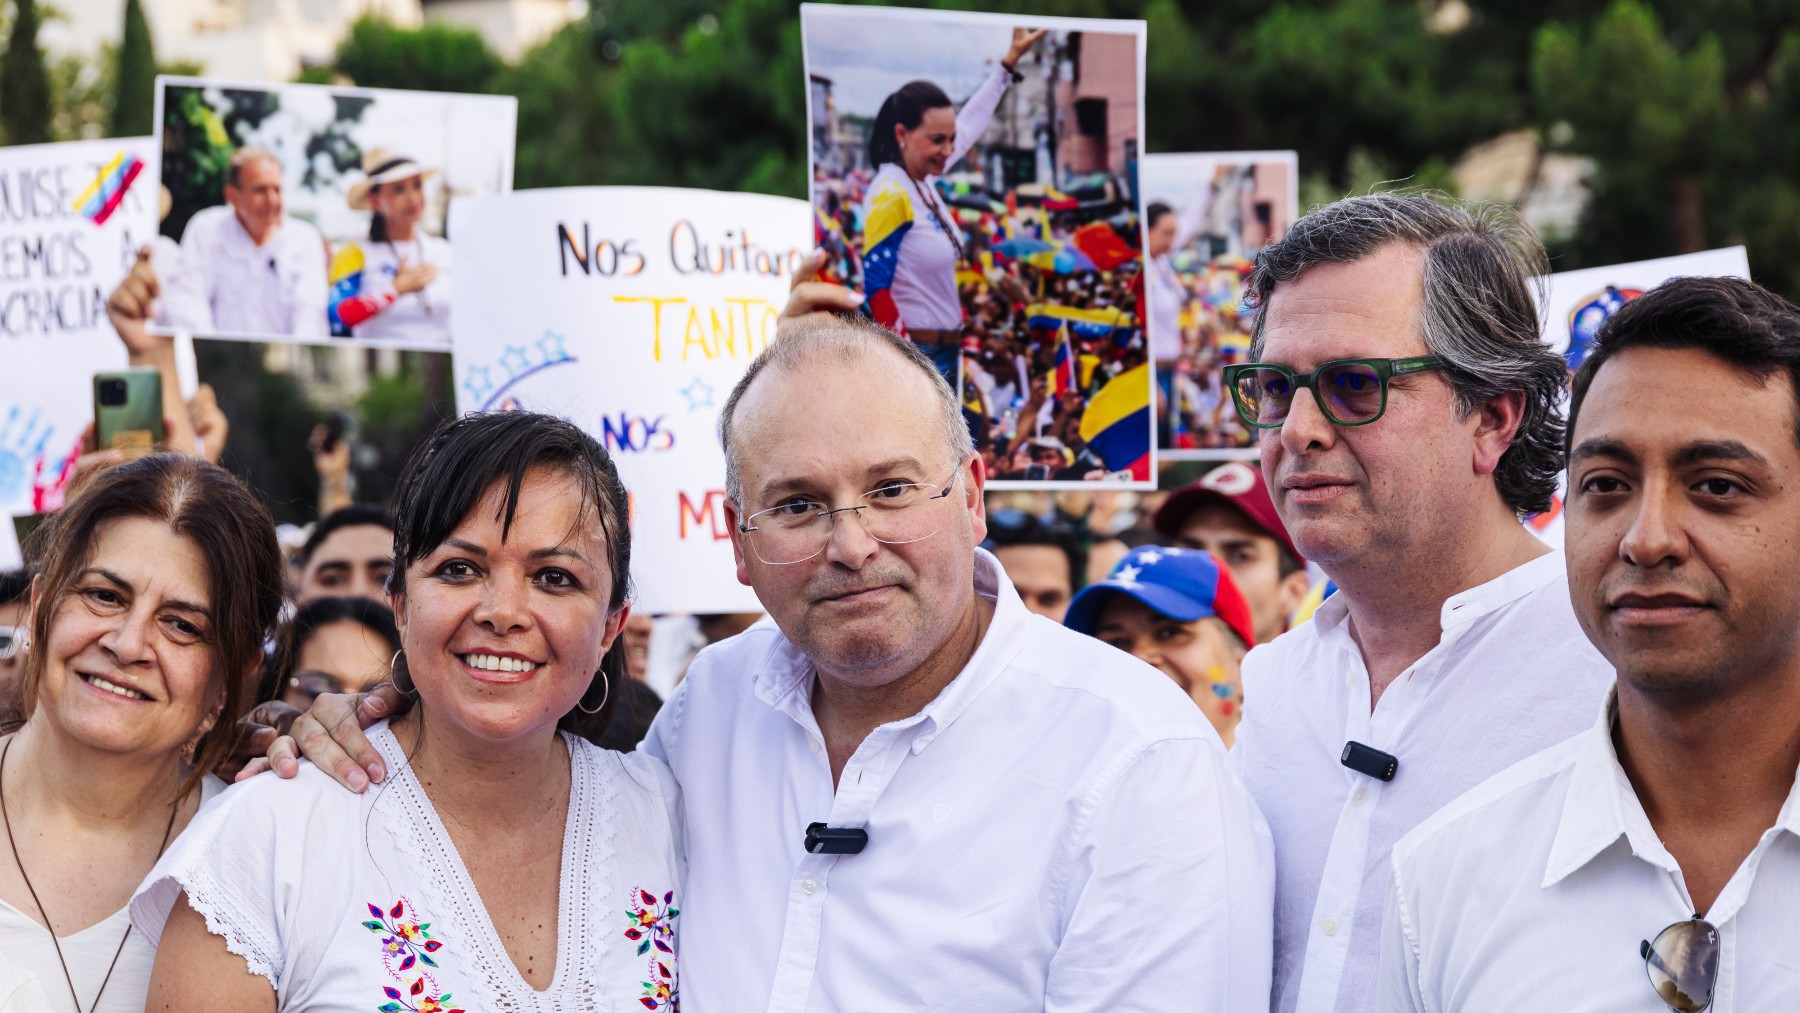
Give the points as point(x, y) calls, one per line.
point(809, 887)
point(1330, 926)
point(1361, 796)
point(812, 744)
point(1348, 678)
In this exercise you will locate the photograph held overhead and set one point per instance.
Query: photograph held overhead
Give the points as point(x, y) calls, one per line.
point(975, 176)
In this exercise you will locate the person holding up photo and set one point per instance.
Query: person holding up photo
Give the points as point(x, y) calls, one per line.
point(396, 285)
point(911, 244)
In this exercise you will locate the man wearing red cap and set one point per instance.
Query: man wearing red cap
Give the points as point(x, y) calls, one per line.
point(1229, 514)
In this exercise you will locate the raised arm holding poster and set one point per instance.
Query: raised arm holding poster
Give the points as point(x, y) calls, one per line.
point(976, 177)
point(72, 217)
point(631, 311)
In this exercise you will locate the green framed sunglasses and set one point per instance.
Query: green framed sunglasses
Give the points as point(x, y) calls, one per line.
point(1349, 392)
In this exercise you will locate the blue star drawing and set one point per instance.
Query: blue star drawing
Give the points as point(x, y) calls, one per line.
point(479, 382)
point(699, 394)
point(22, 442)
point(551, 344)
point(515, 360)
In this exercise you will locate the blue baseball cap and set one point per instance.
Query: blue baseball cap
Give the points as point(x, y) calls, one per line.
point(1183, 584)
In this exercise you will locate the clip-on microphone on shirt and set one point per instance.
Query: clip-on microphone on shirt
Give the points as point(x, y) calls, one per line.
point(824, 840)
point(1371, 761)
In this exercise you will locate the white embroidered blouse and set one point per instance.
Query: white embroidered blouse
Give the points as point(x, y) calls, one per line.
point(359, 903)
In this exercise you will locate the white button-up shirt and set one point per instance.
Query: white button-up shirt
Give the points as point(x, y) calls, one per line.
point(229, 285)
point(1058, 830)
point(1533, 892)
point(1512, 674)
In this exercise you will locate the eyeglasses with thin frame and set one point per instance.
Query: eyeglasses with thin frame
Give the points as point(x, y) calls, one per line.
point(797, 529)
point(1683, 964)
point(1349, 392)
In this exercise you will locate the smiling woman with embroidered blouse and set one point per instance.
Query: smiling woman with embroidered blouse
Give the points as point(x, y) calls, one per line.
point(490, 870)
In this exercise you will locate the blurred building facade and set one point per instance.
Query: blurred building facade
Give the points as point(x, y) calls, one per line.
point(273, 40)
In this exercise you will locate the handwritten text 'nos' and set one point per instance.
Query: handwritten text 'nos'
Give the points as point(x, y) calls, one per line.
point(735, 253)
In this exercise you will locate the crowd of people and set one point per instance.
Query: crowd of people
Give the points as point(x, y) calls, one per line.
point(1072, 758)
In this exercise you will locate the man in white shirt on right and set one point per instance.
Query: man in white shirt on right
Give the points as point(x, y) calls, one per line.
point(247, 268)
point(1450, 648)
point(1652, 862)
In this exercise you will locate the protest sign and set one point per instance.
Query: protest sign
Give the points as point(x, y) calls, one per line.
point(1575, 304)
point(631, 311)
point(315, 214)
point(1207, 217)
point(71, 219)
point(976, 177)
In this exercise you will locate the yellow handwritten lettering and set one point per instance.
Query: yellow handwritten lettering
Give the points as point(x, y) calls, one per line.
point(656, 344)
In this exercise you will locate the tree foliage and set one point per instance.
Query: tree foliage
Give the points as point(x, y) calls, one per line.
point(134, 88)
point(25, 110)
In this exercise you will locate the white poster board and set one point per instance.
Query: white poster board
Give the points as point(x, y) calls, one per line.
point(1579, 302)
point(71, 219)
point(631, 311)
point(1576, 303)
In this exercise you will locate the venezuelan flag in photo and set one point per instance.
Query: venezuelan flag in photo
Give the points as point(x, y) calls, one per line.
point(890, 216)
point(1091, 324)
point(1062, 377)
point(1117, 425)
point(102, 197)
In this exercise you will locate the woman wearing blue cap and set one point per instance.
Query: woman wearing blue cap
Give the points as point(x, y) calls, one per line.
point(1179, 611)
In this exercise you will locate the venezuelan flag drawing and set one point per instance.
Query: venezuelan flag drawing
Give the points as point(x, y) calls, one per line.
point(1062, 375)
point(890, 216)
point(1117, 424)
point(346, 285)
point(102, 197)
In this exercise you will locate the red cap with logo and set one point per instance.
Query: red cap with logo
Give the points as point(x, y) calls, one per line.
point(1236, 482)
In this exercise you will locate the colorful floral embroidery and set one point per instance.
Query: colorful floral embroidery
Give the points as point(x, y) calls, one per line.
point(405, 942)
point(651, 924)
point(417, 990)
point(404, 937)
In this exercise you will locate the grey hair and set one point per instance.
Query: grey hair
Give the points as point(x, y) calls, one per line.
point(1481, 267)
point(841, 338)
point(234, 168)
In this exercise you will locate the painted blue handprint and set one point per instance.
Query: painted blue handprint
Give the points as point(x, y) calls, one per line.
point(22, 442)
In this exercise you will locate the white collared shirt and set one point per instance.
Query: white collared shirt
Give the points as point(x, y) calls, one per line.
point(1534, 891)
point(229, 285)
point(1512, 674)
point(1058, 830)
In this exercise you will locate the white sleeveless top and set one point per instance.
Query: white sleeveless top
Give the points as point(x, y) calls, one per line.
point(26, 945)
point(360, 903)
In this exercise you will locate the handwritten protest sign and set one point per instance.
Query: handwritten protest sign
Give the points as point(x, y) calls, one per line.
point(630, 311)
point(71, 218)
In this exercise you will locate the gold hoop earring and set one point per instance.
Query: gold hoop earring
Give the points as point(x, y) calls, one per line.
point(605, 692)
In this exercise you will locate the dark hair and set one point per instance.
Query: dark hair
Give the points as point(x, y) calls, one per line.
point(15, 586)
point(1007, 528)
point(449, 474)
point(1478, 312)
point(355, 515)
point(230, 527)
point(1737, 320)
point(313, 616)
point(626, 724)
point(378, 230)
point(905, 107)
point(1154, 211)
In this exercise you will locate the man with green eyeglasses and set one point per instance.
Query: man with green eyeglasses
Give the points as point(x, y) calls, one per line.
point(1408, 415)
